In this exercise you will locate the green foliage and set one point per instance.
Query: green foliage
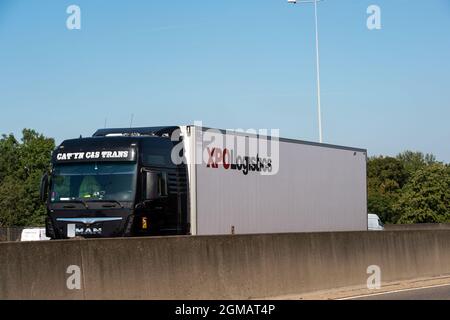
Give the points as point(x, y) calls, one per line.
point(426, 197)
point(386, 177)
point(410, 188)
point(413, 161)
point(21, 167)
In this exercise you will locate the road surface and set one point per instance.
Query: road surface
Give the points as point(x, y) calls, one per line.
point(435, 288)
point(437, 292)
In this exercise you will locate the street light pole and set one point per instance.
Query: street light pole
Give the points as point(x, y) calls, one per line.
point(319, 111)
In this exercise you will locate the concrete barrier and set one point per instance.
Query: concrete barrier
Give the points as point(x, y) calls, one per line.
point(218, 267)
point(417, 226)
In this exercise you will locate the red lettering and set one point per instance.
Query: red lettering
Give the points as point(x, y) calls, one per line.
point(226, 162)
point(211, 162)
point(218, 157)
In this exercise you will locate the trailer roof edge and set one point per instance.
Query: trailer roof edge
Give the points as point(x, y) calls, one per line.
point(290, 140)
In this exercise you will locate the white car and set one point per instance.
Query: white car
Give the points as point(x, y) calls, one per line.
point(33, 234)
point(374, 222)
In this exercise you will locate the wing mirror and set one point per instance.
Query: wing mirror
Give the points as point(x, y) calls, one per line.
point(43, 192)
point(155, 185)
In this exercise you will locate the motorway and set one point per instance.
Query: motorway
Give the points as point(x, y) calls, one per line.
point(434, 288)
point(437, 292)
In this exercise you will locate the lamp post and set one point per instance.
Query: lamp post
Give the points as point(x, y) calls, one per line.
point(319, 112)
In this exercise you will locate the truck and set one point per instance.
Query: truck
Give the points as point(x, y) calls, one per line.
point(191, 180)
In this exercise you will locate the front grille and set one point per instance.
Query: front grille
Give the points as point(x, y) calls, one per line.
point(177, 181)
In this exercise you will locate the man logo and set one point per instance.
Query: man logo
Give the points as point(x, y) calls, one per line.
point(88, 231)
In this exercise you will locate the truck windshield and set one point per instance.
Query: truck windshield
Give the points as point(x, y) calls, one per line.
point(93, 181)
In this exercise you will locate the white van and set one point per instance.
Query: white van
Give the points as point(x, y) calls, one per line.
point(374, 222)
point(33, 234)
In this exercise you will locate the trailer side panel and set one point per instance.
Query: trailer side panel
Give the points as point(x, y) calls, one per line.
point(317, 188)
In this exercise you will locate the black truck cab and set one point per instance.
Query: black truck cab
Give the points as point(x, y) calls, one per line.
point(120, 182)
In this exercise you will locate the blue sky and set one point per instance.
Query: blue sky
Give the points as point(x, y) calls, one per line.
point(231, 64)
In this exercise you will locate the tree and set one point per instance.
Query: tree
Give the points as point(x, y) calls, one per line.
point(413, 161)
point(386, 177)
point(21, 167)
point(8, 156)
point(426, 197)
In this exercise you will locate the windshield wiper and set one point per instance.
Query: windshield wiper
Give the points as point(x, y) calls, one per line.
point(77, 201)
point(108, 201)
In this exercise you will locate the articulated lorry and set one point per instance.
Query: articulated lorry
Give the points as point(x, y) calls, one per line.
point(190, 180)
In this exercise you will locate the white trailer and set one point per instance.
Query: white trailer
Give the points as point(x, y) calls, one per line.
point(308, 187)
